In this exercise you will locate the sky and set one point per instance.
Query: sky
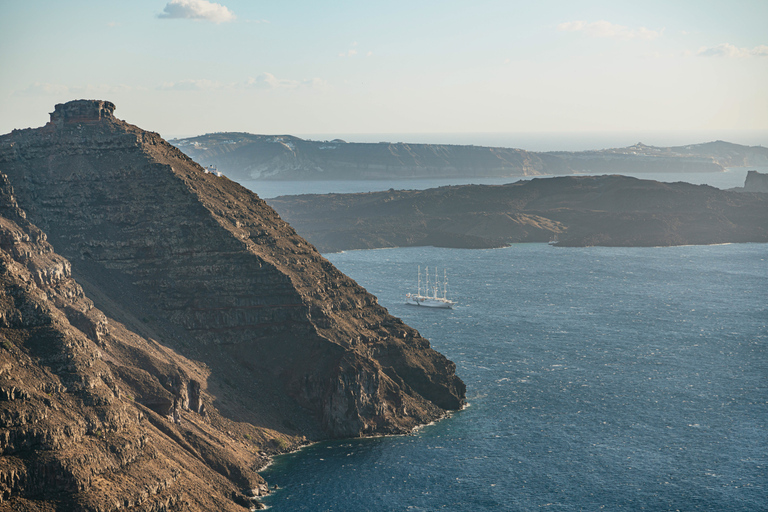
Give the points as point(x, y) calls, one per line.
point(189, 67)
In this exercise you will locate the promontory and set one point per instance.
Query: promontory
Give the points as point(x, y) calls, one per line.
point(163, 331)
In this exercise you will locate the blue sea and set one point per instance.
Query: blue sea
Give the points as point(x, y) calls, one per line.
point(598, 379)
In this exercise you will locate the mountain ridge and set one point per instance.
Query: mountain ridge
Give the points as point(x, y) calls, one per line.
point(244, 156)
point(284, 348)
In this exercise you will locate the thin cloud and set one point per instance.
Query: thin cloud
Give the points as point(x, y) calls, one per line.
point(43, 89)
point(730, 51)
point(52, 89)
point(270, 81)
point(351, 52)
point(196, 10)
point(192, 85)
point(104, 89)
point(606, 29)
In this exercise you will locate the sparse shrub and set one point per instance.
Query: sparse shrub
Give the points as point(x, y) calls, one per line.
point(280, 443)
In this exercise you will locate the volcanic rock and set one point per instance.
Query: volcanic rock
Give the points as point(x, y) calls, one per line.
point(580, 210)
point(756, 182)
point(181, 331)
point(92, 416)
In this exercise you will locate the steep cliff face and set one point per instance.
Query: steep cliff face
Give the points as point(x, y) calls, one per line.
point(94, 417)
point(756, 182)
point(280, 341)
point(284, 157)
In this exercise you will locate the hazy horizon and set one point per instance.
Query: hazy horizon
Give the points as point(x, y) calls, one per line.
point(195, 66)
point(555, 141)
point(539, 141)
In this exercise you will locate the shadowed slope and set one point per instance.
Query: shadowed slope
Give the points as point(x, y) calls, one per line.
point(281, 343)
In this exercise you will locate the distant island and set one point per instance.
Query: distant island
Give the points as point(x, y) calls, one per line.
point(755, 182)
point(244, 156)
point(607, 210)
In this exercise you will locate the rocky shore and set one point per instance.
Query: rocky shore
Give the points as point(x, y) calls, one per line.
point(163, 332)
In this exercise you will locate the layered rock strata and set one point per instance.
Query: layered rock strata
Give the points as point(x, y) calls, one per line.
point(283, 345)
point(94, 417)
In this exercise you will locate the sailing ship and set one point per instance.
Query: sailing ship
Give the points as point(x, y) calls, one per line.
point(432, 297)
point(553, 240)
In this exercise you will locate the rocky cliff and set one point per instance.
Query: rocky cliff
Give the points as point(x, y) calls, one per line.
point(220, 336)
point(244, 156)
point(581, 211)
point(93, 416)
point(756, 182)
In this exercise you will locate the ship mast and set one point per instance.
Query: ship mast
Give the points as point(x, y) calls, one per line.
point(445, 284)
point(418, 292)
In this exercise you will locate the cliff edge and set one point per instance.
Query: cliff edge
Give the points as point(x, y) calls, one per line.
point(756, 182)
point(282, 346)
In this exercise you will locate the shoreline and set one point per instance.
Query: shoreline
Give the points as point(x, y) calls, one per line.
point(541, 243)
point(414, 431)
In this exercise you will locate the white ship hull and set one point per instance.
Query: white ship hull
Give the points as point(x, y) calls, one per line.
point(428, 302)
point(431, 298)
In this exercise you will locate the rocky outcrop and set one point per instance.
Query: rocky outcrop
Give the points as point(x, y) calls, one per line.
point(756, 182)
point(80, 423)
point(226, 335)
point(81, 111)
point(581, 211)
point(245, 156)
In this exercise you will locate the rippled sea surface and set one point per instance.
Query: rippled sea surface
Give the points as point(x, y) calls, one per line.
point(598, 378)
